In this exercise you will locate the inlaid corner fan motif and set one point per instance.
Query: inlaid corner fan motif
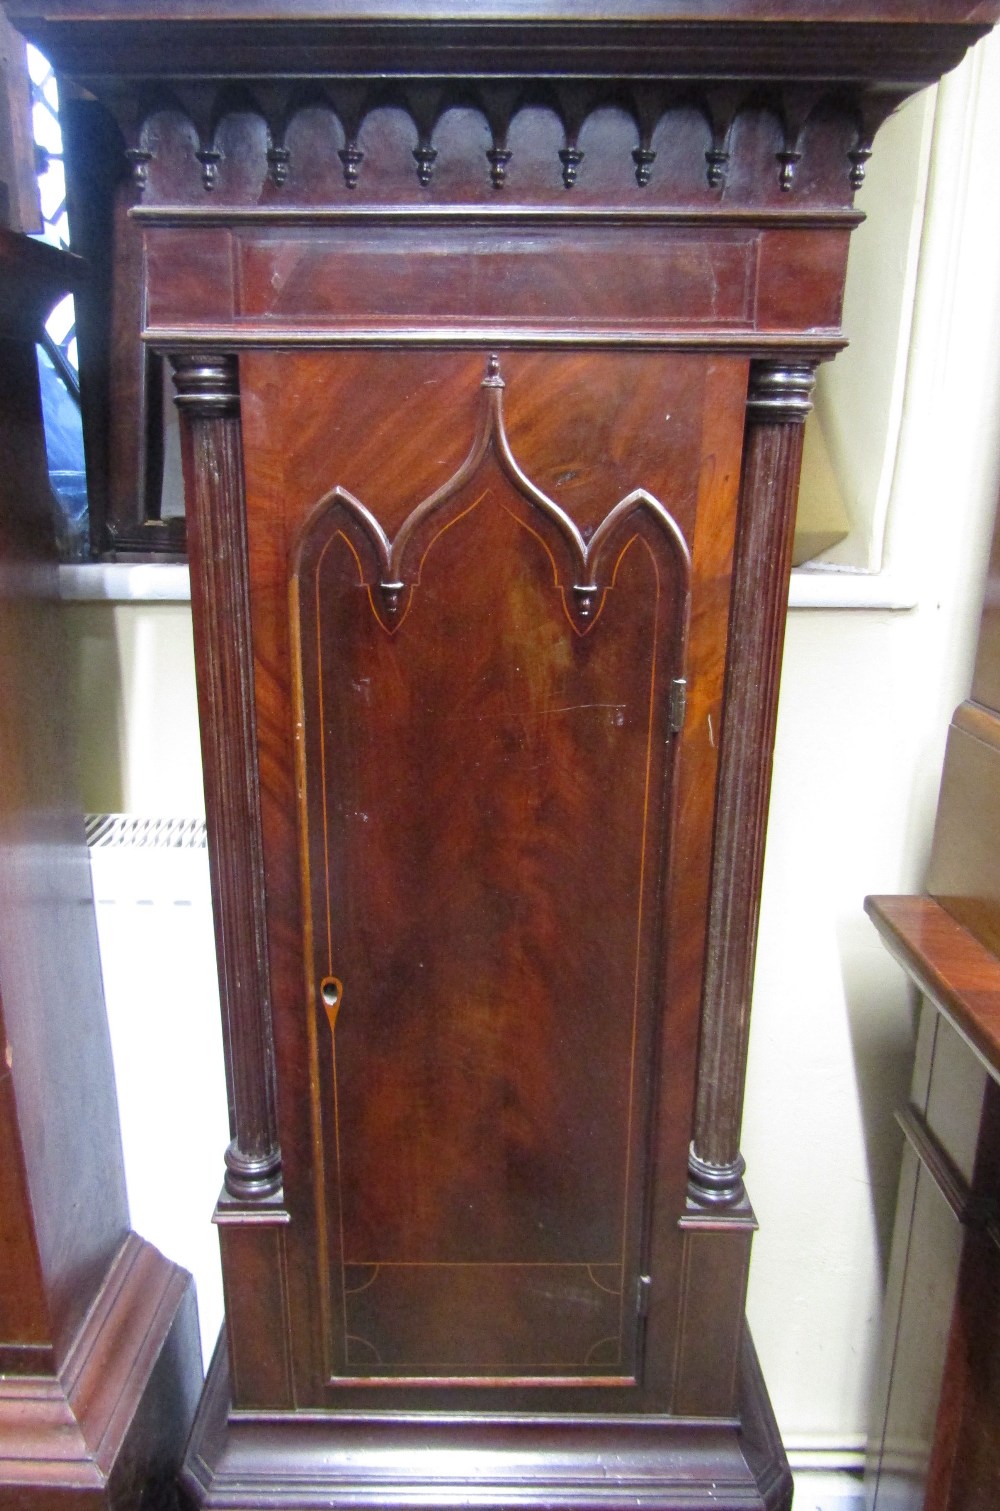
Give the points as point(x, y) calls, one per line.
point(485, 778)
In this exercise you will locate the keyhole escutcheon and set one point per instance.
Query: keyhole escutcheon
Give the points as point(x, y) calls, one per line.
point(331, 992)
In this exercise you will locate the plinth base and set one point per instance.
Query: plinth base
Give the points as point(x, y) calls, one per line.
point(108, 1431)
point(294, 1463)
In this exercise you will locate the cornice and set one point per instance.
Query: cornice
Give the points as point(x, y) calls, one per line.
point(898, 43)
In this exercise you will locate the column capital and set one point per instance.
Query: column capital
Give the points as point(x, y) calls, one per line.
point(780, 392)
point(206, 383)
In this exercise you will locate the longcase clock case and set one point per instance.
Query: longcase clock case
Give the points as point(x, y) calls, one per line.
point(487, 775)
point(493, 338)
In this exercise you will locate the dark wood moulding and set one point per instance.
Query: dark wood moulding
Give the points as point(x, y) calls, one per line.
point(903, 41)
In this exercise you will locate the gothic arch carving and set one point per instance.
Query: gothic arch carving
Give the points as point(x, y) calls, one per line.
point(583, 567)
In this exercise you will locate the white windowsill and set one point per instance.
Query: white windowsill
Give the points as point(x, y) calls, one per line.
point(125, 582)
point(168, 582)
point(812, 589)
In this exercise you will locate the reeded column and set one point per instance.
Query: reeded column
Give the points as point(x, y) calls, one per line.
point(778, 401)
point(207, 395)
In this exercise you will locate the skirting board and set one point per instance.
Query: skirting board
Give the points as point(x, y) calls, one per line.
point(827, 1490)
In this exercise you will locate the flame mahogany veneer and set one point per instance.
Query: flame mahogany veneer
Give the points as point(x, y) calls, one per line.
point(494, 329)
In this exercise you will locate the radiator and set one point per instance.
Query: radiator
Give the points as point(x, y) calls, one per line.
point(154, 923)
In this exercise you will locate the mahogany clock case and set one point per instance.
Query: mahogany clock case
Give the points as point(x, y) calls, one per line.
point(493, 337)
point(512, 786)
point(687, 82)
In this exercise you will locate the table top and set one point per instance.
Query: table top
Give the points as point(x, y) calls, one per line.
point(948, 964)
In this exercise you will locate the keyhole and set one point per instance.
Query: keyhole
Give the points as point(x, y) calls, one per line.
point(330, 991)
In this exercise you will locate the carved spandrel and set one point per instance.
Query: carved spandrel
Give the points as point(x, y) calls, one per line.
point(583, 566)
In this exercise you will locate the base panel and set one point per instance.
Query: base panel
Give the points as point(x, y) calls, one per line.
point(287, 1462)
point(107, 1432)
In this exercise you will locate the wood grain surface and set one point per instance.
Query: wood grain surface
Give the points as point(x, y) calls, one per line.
point(487, 860)
point(780, 397)
point(958, 972)
point(208, 398)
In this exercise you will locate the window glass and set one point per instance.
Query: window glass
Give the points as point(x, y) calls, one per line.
point(58, 360)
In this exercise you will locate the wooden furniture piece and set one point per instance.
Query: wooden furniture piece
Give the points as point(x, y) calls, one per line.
point(20, 209)
point(494, 328)
point(100, 1364)
point(121, 379)
point(936, 1443)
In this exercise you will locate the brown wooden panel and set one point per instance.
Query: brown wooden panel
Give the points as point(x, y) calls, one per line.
point(491, 800)
point(483, 867)
point(189, 273)
point(713, 556)
point(457, 274)
point(713, 1295)
point(964, 1472)
point(801, 279)
point(964, 873)
point(253, 1260)
point(19, 196)
point(310, 281)
point(24, 1318)
point(482, 1318)
point(948, 963)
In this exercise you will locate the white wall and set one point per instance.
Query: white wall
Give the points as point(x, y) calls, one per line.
point(859, 398)
point(136, 714)
point(866, 697)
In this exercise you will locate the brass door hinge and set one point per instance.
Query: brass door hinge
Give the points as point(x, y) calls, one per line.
point(642, 1286)
point(678, 704)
